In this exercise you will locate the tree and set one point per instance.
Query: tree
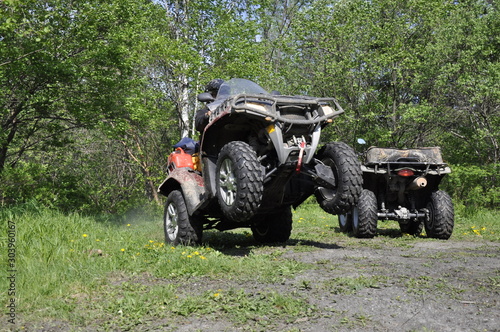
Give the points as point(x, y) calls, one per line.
point(206, 40)
point(407, 76)
point(465, 58)
point(63, 65)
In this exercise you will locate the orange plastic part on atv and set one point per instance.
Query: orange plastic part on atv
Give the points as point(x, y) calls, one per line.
point(179, 159)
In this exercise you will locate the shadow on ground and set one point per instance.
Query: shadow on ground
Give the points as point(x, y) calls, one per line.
point(236, 244)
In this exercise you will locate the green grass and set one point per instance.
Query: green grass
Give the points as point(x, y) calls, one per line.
point(83, 270)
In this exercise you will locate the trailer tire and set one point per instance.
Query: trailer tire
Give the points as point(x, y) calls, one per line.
point(273, 227)
point(345, 222)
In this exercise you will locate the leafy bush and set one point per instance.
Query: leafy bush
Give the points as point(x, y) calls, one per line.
point(474, 186)
point(70, 189)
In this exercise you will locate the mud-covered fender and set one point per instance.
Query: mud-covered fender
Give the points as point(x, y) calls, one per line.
point(191, 185)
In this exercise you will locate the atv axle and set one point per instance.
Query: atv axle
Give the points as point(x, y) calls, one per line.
point(401, 214)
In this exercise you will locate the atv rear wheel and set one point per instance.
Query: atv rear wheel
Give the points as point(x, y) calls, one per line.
point(239, 181)
point(179, 227)
point(273, 227)
point(345, 222)
point(346, 168)
point(440, 222)
point(364, 221)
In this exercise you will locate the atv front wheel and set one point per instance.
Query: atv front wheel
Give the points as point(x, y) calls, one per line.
point(273, 227)
point(239, 181)
point(364, 221)
point(346, 168)
point(439, 224)
point(179, 227)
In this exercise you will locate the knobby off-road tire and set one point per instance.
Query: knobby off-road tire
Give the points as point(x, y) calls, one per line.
point(345, 222)
point(440, 223)
point(348, 177)
point(273, 227)
point(239, 181)
point(364, 221)
point(179, 227)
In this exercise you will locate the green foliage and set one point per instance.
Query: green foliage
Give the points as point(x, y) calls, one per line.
point(64, 65)
point(86, 73)
point(406, 75)
point(95, 93)
point(473, 186)
point(91, 176)
point(35, 181)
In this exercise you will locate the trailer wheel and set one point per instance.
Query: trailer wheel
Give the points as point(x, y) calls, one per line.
point(345, 222)
point(179, 227)
point(273, 227)
point(364, 221)
point(439, 224)
point(348, 178)
point(239, 181)
point(412, 228)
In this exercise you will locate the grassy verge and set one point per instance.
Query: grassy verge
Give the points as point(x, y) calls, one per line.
point(82, 271)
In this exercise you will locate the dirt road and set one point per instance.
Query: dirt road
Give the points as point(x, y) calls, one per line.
point(420, 286)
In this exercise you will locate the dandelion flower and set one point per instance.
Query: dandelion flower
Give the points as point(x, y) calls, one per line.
point(128, 225)
point(84, 235)
point(122, 250)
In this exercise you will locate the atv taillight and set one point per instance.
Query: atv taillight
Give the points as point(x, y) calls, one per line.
point(405, 172)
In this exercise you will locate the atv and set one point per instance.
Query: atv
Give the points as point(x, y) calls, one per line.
point(402, 185)
point(257, 158)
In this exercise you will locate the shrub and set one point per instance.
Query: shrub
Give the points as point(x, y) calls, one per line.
point(474, 186)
